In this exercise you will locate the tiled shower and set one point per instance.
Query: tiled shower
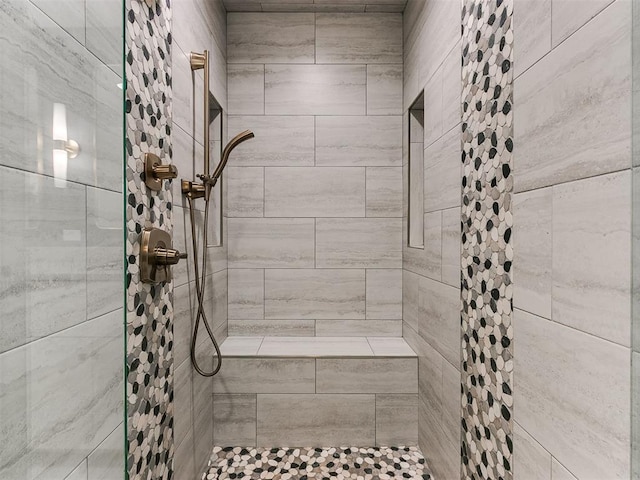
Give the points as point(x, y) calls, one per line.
point(422, 265)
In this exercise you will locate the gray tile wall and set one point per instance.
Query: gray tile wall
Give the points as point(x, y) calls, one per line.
point(431, 276)
point(197, 25)
point(572, 221)
point(62, 325)
point(315, 200)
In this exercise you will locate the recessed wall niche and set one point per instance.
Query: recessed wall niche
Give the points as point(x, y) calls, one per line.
point(416, 173)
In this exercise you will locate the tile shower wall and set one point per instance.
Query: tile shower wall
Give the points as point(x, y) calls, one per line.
point(315, 200)
point(431, 276)
point(572, 221)
point(197, 25)
point(61, 325)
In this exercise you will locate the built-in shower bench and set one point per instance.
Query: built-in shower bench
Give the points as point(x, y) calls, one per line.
point(316, 391)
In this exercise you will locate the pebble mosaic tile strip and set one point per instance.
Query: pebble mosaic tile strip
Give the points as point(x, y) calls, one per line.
point(487, 252)
point(317, 463)
point(149, 307)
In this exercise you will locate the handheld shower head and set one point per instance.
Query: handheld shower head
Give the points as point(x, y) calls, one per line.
point(235, 141)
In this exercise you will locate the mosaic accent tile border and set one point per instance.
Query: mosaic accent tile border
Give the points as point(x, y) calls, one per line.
point(487, 252)
point(317, 463)
point(149, 308)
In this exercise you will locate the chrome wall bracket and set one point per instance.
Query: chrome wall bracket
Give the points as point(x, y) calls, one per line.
point(155, 172)
point(157, 255)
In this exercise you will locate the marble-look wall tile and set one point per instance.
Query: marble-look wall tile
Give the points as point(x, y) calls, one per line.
point(184, 302)
point(451, 232)
point(573, 385)
point(358, 328)
point(245, 191)
point(106, 462)
point(432, 126)
point(442, 172)
point(533, 251)
point(315, 89)
point(591, 255)
point(183, 90)
point(410, 298)
point(266, 375)
point(315, 294)
point(58, 70)
point(432, 245)
point(359, 141)
point(559, 472)
point(104, 31)
point(68, 14)
point(245, 85)
point(531, 460)
point(558, 94)
point(246, 293)
point(60, 397)
point(358, 38)
point(104, 251)
point(183, 406)
point(384, 294)
point(358, 243)
point(279, 141)
point(533, 23)
point(272, 328)
point(184, 459)
point(315, 347)
point(43, 231)
point(316, 420)
point(234, 420)
point(315, 192)
point(396, 420)
point(451, 91)
point(271, 242)
point(569, 15)
point(384, 89)
point(370, 375)
point(79, 473)
point(384, 192)
point(439, 320)
point(270, 38)
point(442, 455)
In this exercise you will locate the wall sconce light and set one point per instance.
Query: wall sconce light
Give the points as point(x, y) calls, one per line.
point(63, 148)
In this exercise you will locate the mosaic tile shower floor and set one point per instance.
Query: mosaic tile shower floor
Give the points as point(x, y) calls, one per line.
point(317, 463)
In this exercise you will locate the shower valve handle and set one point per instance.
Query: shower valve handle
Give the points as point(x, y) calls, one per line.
point(168, 256)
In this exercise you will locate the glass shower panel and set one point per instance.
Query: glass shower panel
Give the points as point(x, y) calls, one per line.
point(61, 239)
point(635, 245)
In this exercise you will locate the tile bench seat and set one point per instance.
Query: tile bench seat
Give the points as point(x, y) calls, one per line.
point(316, 391)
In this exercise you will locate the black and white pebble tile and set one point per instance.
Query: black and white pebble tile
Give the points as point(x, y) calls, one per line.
point(317, 463)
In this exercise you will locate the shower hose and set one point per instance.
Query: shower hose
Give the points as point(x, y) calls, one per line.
point(201, 315)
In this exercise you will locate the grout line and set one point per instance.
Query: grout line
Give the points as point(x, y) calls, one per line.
point(532, 189)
